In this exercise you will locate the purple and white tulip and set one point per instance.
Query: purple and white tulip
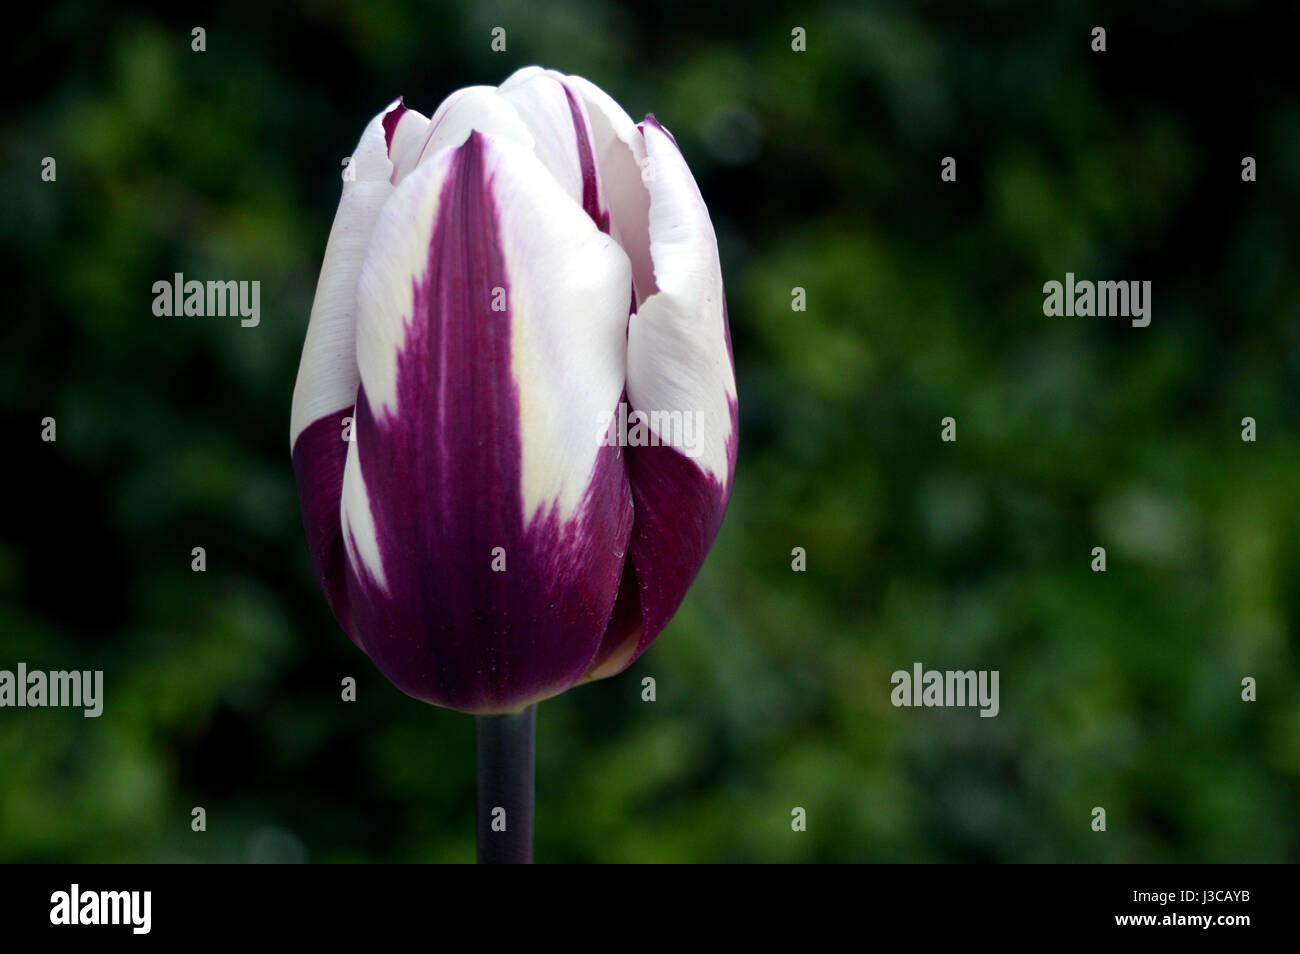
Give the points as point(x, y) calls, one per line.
point(498, 280)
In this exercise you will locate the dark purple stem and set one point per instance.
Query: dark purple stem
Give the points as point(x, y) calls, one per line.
point(505, 782)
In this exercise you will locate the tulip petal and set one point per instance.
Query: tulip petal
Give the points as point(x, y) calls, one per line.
point(318, 458)
point(562, 136)
point(405, 131)
point(327, 372)
point(679, 344)
point(474, 108)
point(326, 387)
point(477, 439)
point(679, 374)
point(620, 158)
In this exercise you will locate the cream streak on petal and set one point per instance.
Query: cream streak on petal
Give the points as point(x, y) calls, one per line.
point(384, 290)
point(359, 537)
point(569, 289)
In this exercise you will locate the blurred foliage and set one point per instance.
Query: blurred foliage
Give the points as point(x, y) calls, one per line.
point(924, 300)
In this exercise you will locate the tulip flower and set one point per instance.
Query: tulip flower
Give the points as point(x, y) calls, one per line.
point(514, 426)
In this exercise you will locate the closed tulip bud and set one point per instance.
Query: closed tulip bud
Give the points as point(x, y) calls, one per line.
point(521, 312)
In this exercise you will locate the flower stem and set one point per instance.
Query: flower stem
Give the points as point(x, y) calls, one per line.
point(505, 782)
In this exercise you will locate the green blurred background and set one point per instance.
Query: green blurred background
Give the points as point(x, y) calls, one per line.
point(1119, 690)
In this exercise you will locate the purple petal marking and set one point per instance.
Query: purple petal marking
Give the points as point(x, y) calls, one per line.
point(391, 119)
point(650, 118)
point(679, 510)
point(442, 472)
point(318, 458)
point(590, 190)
